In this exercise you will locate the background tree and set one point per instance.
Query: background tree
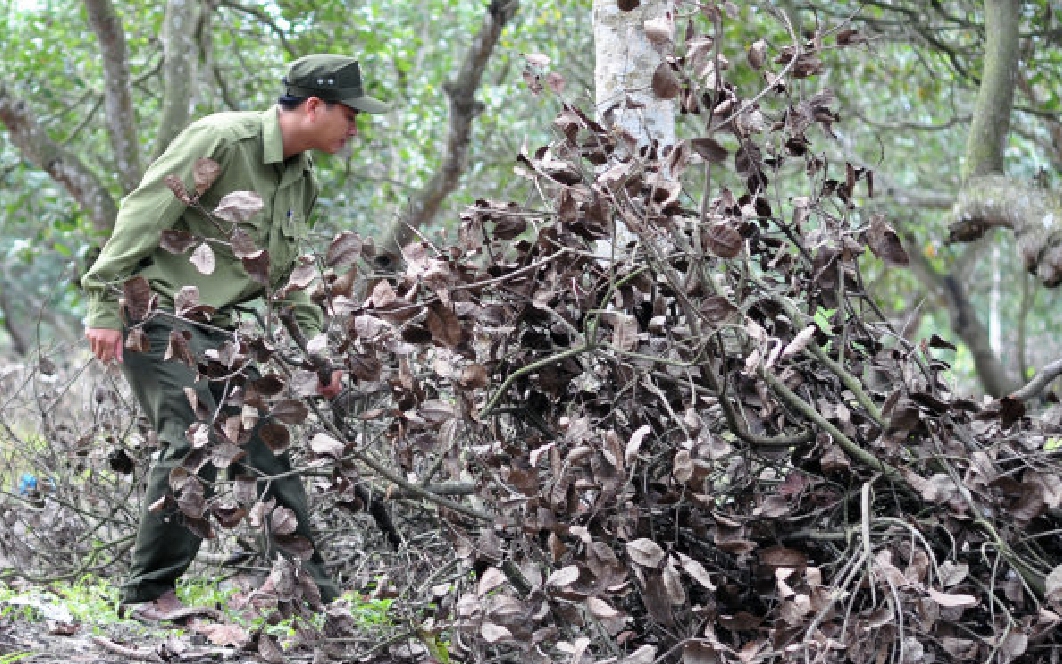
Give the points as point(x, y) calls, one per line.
point(959, 64)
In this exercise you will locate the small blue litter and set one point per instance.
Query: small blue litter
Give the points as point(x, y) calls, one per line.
point(27, 483)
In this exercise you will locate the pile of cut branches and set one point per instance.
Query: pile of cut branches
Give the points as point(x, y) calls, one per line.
point(704, 441)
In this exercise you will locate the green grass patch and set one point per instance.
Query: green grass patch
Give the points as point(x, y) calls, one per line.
point(95, 601)
point(91, 600)
point(201, 592)
point(369, 612)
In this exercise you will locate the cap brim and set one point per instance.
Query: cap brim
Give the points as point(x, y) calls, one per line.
point(367, 104)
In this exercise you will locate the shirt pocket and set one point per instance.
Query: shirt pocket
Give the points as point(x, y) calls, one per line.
point(288, 235)
point(290, 229)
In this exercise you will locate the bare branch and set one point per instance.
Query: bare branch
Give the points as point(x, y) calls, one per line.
point(966, 324)
point(1039, 382)
point(1033, 213)
point(261, 16)
point(62, 165)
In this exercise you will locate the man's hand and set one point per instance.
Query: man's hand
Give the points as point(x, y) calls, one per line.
point(106, 344)
point(332, 389)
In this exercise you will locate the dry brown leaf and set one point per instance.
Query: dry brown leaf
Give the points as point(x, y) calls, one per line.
point(239, 206)
point(757, 55)
point(952, 601)
point(205, 172)
point(564, 576)
point(682, 467)
point(952, 573)
point(696, 570)
point(783, 557)
point(490, 580)
point(645, 552)
point(493, 633)
point(673, 585)
point(635, 443)
point(223, 634)
point(324, 445)
point(599, 608)
point(665, 84)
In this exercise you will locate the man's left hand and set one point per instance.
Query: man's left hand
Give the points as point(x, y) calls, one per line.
point(332, 389)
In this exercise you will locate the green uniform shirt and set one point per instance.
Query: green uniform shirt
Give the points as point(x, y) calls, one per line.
point(249, 149)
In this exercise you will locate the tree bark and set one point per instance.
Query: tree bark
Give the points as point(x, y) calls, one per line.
point(626, 61)
point(464, 108)
point(1033, 213)
point(121, 120)
point(20, 343)
point(63, 166)
point(178, 69)
point(995, 98)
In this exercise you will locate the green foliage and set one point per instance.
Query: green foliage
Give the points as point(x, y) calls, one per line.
point(437, 647)
point(95, 601)
point(203, 592)
point(367, 611)
point(91, 600)
point(17, 612)
point(823, 318)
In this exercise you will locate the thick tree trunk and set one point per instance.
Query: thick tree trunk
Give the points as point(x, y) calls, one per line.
point(178, 69)
point(628, 47)
point(20, 342)
point(995, 98)
point(625, 63)
point(121, 120)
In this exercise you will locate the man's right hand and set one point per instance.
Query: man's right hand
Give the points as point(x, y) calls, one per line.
point(106, 344)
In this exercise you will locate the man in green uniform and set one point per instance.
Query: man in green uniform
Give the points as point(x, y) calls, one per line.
point(260, 152)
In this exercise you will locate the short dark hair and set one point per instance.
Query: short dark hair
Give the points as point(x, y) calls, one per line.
point(291, 102)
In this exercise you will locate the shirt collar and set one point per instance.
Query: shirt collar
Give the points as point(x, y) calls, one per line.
point(273, 142)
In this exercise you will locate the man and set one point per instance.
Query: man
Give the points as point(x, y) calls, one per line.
point(260, 152)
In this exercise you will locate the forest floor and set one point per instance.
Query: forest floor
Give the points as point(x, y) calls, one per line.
point(26, 640)
point(39, 626)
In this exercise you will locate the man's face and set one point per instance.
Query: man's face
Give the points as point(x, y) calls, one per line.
point(334, 125)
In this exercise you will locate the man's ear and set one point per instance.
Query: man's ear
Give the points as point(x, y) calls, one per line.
point(314, 105)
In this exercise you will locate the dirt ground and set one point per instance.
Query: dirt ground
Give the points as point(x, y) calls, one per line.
point(51, 642)
point(40, 632)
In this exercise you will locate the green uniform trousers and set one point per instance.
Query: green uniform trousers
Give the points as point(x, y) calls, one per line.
point(164, 546)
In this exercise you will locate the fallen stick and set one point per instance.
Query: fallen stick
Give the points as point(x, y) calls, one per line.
point(135, 654)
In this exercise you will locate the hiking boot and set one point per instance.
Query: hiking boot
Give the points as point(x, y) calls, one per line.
point(166, 608)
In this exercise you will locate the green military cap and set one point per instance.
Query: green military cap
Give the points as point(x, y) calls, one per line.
point(335, 78)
